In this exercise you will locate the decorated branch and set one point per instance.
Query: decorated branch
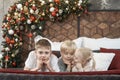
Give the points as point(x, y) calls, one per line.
point(29, 16)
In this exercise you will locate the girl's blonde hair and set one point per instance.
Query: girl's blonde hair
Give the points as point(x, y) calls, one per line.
point(68, 46)
point(86, 54)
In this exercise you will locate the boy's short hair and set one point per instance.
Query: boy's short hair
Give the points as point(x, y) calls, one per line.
point(68, 46)
point(43, 43)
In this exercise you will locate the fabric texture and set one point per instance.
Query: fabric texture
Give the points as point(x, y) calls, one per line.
point(31, 61)
point(116, 60)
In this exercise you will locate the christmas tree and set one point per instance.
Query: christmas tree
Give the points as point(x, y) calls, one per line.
point(30, 16)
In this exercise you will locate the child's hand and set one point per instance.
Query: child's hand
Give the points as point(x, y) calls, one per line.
point(67, 62)
point(79, 66)
point(48, 66)
point(47, 62)
point(39, 65)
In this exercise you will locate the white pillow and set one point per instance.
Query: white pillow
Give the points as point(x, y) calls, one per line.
point(92, 43)
point(78, 42)
point(96, 44)
point(56, 46)
point(103, 60)
point(111, 43)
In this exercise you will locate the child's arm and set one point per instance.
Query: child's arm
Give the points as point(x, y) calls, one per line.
point(39, 65)
point(69, 66)
point(79, 67)
point(31, 59)
point(49, 67)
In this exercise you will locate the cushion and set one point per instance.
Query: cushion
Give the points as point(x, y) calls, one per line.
point(103, 60)
point(92, 43)
point(107, 43)
point(116, 60)
point(56, 46)
point(78, 42)
point(96, 44)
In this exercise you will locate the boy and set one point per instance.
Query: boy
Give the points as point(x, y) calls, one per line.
point(67, 52)
point(83, 60)
point(42, 58)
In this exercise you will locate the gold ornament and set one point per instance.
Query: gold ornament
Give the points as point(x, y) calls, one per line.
point(13, 55)
point(51, 4)
point(25, 9)
point(43, 14)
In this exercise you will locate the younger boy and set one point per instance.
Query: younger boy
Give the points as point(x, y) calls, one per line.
point(42, 59)
point(67, 52)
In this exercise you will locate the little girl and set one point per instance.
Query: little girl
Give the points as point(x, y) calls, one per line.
point(83, 60)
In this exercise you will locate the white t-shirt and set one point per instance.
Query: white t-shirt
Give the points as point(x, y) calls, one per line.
point(31, 62)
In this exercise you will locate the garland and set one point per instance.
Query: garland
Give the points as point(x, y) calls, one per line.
point(30, 16)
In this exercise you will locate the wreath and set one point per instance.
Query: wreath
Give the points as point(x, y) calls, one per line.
point(30, 16)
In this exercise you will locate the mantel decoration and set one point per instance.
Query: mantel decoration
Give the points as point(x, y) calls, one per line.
point(30, 16)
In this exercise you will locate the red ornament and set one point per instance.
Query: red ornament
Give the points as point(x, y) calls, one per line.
point(56, 9)
point(26, 3)
point(54, 13)
point(57, 1)
point(22, 12)
point(22, 18)
point(13, 7)
point(32, 18)
point(14, 63)
point(30, 35)
point(34, 8)
point(12, 41)
point(9, 18)
point(7, 58)
point(81, 8)
point(17, 21)
point(7, 40)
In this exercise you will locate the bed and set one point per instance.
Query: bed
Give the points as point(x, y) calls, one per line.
point(102, 47)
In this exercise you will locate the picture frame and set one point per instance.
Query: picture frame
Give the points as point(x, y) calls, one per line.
point(105, 5)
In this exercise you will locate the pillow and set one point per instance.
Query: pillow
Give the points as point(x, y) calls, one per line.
point(92, 43)
point(56, 46)
point(116, 60)
point(111, 43)
point(96, 44)
point(103, 61)
point(78, 42)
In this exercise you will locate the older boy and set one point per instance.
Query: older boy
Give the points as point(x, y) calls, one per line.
point(42, 58)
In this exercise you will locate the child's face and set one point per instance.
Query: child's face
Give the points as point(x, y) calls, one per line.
point(43, 54)
point(67, 57)
point(77, 57)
